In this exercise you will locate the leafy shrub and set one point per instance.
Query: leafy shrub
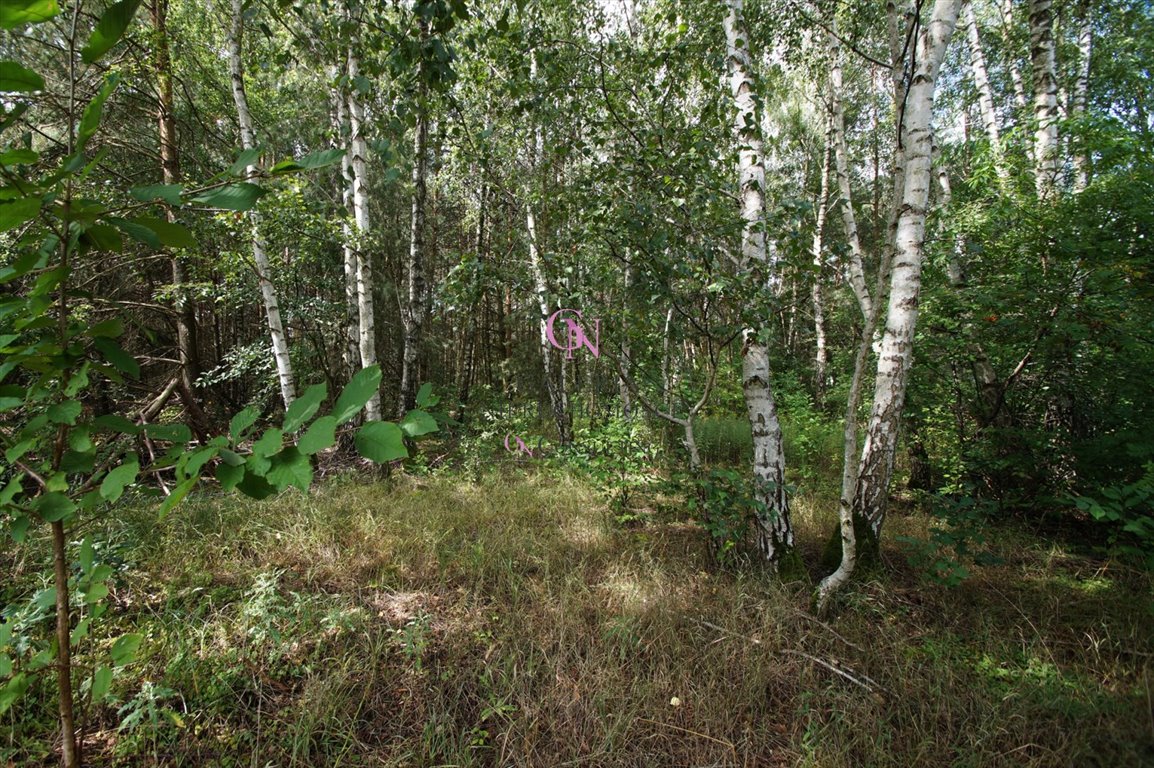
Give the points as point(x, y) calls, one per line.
point(1127, 512)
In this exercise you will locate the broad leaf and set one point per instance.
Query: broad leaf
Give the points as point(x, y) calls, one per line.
point(169, 193)
point(109, 30)
point(53, 507)
point(13, 13)
point(381, 441)
point(359, 391)
point(304, 407)
point(177, 496)
point(234, 197)
point(101, 682)
point(228, 475)
point(112, 488)
point(244, 160)
point(169, 233)
point(241, 423)
point(115, 354)
point(12, 689)
point(14, 78)
point(319, 436)
point(290, 467)
point(269, 443)
point(417, 423)
point(16, 212)
point(90, 120)
point(18, 157)
point(172, 433)
point(124, 649)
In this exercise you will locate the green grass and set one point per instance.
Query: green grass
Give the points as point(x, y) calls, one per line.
point(441, 622)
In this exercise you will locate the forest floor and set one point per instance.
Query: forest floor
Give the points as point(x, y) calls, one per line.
point(438, 621)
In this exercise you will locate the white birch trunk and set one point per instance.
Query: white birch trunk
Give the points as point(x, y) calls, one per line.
point(358, 154)
point(553, 384)
point(1081, 94)
point(1042, 57)
point(985, 92)
point(821, 354)
point(413, 315)
point(259, 253)
point(854, 268)
point(896, 354)
point(1007, 11)
point(775, 534)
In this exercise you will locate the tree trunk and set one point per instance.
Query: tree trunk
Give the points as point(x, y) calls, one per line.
point(855, 268)
point(268, 291)
point(413, 315)
point(1006, 8)
point(985, 93)
point(187, 343)
point(1042, 58)
point(554, 382)
point(358, 153)
point(896, 349)
point(775, 534)
point(1081, 92)
point(821, 354)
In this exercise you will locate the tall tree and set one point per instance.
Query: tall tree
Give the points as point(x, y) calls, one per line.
point(775, 532)
point(895, 356)
point(413, 311)
point(268, 290)
point(1043, 59)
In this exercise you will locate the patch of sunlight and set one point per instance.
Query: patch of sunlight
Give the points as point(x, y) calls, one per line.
point(629, 591)
point(583, 531)
point(1034, 671)
point(1092, 585)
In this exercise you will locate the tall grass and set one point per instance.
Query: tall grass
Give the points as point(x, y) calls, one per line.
point(440, 622)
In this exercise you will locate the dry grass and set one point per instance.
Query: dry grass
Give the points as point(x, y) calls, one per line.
point(437, 622)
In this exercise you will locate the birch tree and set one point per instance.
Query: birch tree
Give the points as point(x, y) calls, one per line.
point(358, 153)
point(1043, 60)
point(268, 290)
point(985, 92)
point(896, 350)
point(413, 311)
point(775, 532)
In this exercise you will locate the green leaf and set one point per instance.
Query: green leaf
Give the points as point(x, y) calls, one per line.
point(255, 486)
point(359, 391)
point(229, 475)
point(53, 507)
point(13, 13)
point(13, 689)
point(19, 157)
point(102, 237)
point(109, 30)
point(136, 232)
point(246, 158)
point(101, 683)
point(269, 443)
point(9, 493)
point(112, 488)
point(16, 212)
point(381, 441)
point(425, 397)
point(124, 649)
point(241, 422)
point(16, 79)
point(417, 423)
point(87, 555)
point(177, 496)
point(319, 436)
point(172, 433)
point(19, 528)
point(310, 162)
point(170, 233)
point(90, 120)
point(116, 423)
point(66, 412)
point(304, 407)
point(290, 467)
point(234, 197)
point(95, 593)
point(116, 355)
point(112, 328)
point(169, 193)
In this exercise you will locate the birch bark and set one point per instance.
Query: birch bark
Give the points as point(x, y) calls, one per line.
point(358, 154)
point(1081, 92)
point(1042, 58)
point(985, 92)
point(896, 353)
point(413, 316)
point(268, 291)
point(821, 354)
point(775, 533)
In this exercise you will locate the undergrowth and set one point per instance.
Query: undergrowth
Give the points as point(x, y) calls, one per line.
point(511, 622)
